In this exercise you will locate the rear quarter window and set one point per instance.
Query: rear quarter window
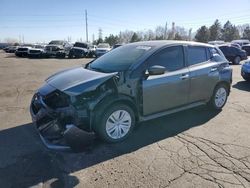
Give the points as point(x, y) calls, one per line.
point(196, 55)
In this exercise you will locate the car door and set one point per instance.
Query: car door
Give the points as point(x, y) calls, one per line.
point(169, 90)
point(203, 72)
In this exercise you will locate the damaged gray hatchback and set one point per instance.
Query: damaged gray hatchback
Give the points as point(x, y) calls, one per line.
point(136, 82)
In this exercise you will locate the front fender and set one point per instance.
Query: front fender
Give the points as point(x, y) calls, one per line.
point(109, 99)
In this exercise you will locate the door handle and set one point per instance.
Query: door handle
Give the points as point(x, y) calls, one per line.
point(184, 76)
point(213, 69)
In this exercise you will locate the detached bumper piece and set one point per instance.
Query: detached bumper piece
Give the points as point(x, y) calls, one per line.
point(55, 126)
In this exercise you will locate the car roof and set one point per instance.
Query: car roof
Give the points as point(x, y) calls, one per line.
point(162, 43)
point(241, 40)
point(82, 43)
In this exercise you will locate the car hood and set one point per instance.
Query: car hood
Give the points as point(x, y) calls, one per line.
point(28, 47)
point(54, 45)
point(246, 65)
point(79, 48)
point(41, 49)
point(107, 49)
point(77, 80)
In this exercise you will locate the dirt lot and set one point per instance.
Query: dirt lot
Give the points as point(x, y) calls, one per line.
point(194, 148)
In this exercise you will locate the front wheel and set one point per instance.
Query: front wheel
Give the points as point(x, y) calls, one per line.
point(219, 98)
point(116, 123)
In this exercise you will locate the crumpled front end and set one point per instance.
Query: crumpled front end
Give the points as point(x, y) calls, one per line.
point(55, 117)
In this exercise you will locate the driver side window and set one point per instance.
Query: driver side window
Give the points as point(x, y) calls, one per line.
point(171, 58)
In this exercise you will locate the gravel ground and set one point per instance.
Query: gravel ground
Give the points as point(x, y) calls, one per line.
point(193, 148)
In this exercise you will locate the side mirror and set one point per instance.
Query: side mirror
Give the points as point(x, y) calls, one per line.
point(156, 70)
point(216, 58)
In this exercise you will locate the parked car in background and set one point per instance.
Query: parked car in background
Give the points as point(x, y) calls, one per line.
point(216, 42)
point(10, 49)
point(36, 51)
point(4, 45)
point(246, 47)
point(6, 48)
point(101, 49)
point(22, 51)
point(233, 54)
point(116, 46)
point(92, 50)
point(58, 48)
point(245, 70)
point(241, 42)
point(235, 45)
point(133, 83)
point(79, 49)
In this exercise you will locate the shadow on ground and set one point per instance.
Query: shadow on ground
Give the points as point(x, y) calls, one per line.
point(242, 85)
point(11, 56)
point(25, 162)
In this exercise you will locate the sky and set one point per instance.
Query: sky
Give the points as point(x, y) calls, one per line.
point(42, 21)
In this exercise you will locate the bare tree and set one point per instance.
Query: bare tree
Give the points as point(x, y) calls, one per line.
point(149, 35)
point(125, 36)
point(241, 28)
point(11, 40)
point(159, 33)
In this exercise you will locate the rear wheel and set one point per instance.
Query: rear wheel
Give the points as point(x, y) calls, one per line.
point(115, 123)
point(236, 60)
point(219, 98)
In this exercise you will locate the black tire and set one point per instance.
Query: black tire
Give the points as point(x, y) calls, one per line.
point(237, 60)
point(90, 55)
point(247, 79)
point(70, 56)
point(101, 123)
point(61, 55)
point(215, 105)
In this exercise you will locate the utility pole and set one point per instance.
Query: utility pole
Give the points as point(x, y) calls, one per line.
point(86, 20)
point(165, 31)
point(100, 33)
point(173, 29)
point(190, 34)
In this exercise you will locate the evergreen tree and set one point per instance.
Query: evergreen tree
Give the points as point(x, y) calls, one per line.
point(112, 39)
point(135, 38)
point(202, 34)
point(178, 36)
point(215, 31)
point(246, 33)
point(230, 32)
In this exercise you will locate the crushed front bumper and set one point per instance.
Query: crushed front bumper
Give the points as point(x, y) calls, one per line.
point(57, 127)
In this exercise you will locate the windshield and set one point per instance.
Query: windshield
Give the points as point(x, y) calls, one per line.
point(103, 46)
point(81, 45)
point(119, 59)
point(57, 42)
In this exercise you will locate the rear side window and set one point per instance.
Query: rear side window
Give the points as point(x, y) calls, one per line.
point(236, 50)
point(224, 49)
point(171, 58)
point(196, 55)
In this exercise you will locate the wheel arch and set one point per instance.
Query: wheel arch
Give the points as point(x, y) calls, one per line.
point(225, 83)
point(112, 100)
